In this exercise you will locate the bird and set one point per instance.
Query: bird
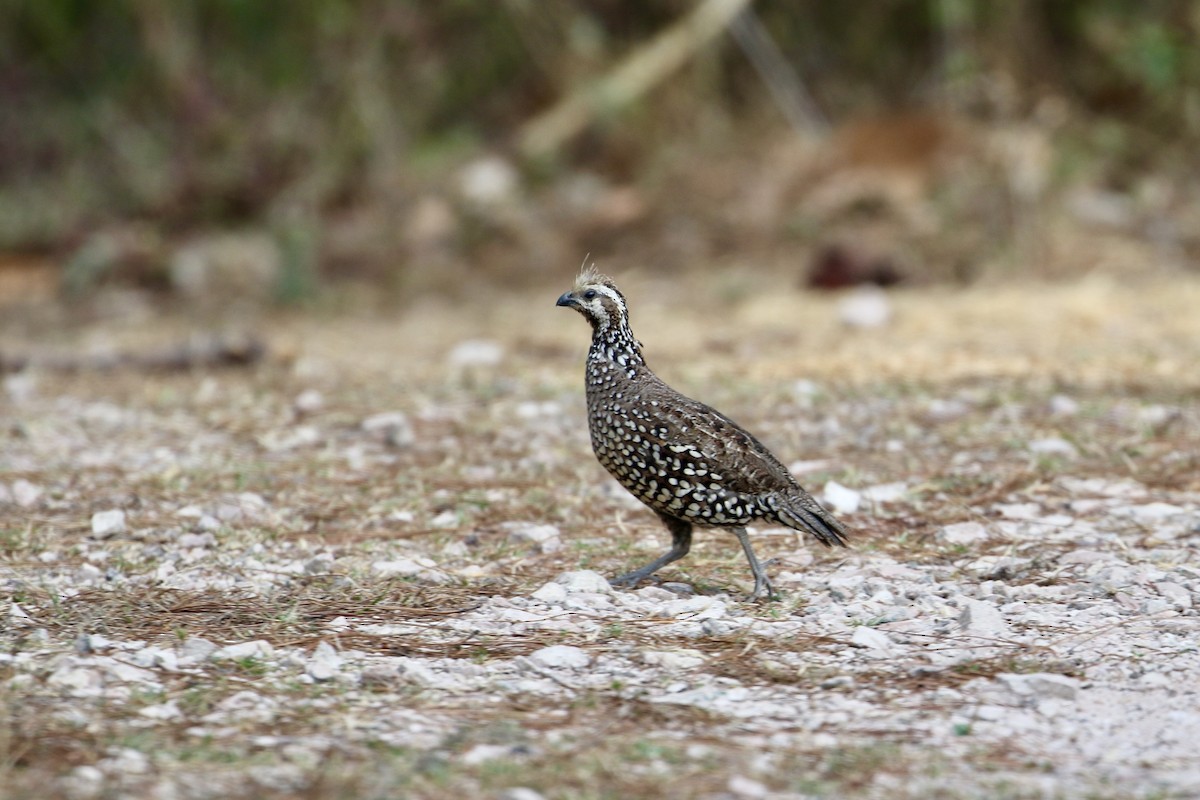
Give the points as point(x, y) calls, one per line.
point(689, 463)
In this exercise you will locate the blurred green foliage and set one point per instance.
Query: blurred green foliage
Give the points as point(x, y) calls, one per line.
point(214, 112)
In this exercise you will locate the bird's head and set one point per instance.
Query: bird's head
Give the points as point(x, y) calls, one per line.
point(597, 298)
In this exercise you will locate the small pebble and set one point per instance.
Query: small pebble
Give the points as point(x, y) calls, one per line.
point(842, 499)
point(108, 523)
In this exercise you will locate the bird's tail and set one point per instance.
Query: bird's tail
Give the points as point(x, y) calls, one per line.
point(801, 512)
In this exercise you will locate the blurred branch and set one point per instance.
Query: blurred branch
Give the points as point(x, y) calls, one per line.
point(793, 99)
point(545, 30)
point(170, 42)
point(199, 352)
point(641, 71)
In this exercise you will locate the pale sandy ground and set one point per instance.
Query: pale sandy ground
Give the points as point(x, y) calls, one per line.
point(407, 625)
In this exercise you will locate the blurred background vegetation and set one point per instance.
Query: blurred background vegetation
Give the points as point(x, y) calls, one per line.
point(278, 148)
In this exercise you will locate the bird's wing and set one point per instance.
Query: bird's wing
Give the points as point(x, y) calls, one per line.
point(724, 447)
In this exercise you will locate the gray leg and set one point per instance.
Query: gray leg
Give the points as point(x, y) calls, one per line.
point(762, 584)
point(681, 542)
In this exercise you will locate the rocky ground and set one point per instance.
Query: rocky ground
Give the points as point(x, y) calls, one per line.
point(373, 565)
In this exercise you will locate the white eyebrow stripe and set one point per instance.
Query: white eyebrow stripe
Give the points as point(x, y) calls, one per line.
point(616, 297)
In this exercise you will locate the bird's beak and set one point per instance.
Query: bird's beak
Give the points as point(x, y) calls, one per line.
point(567, 299)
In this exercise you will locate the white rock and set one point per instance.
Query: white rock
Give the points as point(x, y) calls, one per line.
point(92, 642)
point(700, 607)
point(399, 567)
point(477, 353)
point(561, 656)
point(885, 492)
point(865, 307)
point(252, 505)
point(534, 410)
point(812, 465)
point(380, 675)
point(244, 700)
point(530, 532)
point(124, 671)
point(126, 761)
point(996, 566)
point(963, 533)
point(488, 181)
point(552, 593)
point(309, 401)
point(843, 499)
point(1085, 556)
point(108, 523)
point(21, 386)
point(681, 658)
point(1155, 680)
point(196, 648)
point(290, 438)
point(982, 619)
point(520, 793)
point(229, 512)
point(1150, 512)
point(24, 493)
point(279, 779)
point(393, 426)
point(415, 670)
point(805, 389)
point(1041, 685)
point(1179, 596)
point(741, 786)
point(946, 410)
point(990, 713)
point(84, 782)
point(872, 639)
point(481, 753)
point(325, 663)
point(1156, 415)
point(584, 580)
point(1053, 445)
point(319, 565)
point(321, 671)
point(259, 648)
point(207, 522)
point(161, 711)
point(446, 519)
point(1155, 605)
point(156, 658)
point(844, 585)
point(78, 681)
point(190, 541)
point(1102, 208)
point(1063, 406)
point(1021, 511)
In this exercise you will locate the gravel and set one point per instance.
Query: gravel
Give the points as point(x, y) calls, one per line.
point(218, 598)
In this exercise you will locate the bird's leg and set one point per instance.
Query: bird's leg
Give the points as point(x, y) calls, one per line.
point(762, 584)
point(681, 542)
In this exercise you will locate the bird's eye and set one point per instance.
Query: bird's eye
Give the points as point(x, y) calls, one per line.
point(590, 294)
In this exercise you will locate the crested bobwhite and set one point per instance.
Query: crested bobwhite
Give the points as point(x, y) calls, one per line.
point(688, 462)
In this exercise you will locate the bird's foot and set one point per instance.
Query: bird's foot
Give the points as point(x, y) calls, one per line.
point(628, 580)
point(762, 587)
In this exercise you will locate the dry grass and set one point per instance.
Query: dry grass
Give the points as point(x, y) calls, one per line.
point(999, 354)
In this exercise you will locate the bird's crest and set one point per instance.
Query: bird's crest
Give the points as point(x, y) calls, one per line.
point(590, 276)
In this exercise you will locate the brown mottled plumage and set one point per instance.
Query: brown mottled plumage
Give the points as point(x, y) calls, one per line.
point(688, 462)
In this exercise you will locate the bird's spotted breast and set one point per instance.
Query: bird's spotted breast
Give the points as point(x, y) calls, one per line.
point(643, 450)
